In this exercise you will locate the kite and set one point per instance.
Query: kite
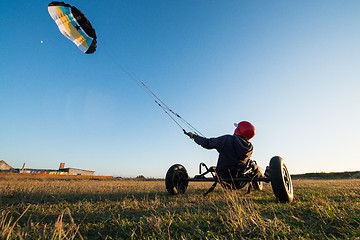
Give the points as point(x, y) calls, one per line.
point(74, 25)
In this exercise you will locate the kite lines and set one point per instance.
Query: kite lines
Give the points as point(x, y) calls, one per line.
point(179, 121)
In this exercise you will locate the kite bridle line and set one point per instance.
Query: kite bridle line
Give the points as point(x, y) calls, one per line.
point(173, 115)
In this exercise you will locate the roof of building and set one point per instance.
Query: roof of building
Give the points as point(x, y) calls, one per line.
point(2, 162)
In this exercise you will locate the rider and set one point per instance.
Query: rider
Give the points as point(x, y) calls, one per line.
point(234, 150)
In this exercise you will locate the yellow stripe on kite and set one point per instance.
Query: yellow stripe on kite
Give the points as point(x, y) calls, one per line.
point(70, 28)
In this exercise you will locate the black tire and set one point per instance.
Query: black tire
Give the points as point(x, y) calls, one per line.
point(176, 179)
point(281, 180)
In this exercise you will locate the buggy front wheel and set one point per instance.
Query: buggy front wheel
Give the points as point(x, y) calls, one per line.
point(176, 179)
point(281, 180)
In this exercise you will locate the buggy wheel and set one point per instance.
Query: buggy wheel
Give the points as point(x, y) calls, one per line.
point(258, 185)
point(176, 179)
point(281, 180)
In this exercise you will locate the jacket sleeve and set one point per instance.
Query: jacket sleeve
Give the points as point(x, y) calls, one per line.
point(209, 143)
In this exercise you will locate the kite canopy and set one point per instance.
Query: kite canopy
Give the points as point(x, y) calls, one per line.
point(74, 25)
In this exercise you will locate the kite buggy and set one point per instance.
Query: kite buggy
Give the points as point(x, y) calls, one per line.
point(177, 179)
point(235, 169)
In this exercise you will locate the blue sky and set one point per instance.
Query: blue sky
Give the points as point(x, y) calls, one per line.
point(289, 67)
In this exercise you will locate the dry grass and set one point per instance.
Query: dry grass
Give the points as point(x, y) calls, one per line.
point(132, 209)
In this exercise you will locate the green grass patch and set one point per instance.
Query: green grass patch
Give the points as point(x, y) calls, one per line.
point(131, 209)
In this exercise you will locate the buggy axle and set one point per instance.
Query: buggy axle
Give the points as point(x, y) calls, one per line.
point(267, 179)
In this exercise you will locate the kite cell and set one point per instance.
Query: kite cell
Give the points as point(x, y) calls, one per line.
point(74, 25)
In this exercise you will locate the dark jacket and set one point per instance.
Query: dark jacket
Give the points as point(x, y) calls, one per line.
point(234, 151)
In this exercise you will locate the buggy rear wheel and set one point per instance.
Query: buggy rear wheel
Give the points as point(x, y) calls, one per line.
point(281, 180)
point(258, 185)
point(176, 179)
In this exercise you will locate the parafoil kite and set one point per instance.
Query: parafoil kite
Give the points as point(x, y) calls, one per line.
point(74, 25)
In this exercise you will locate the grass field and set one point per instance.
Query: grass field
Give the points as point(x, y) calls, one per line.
point(43, 208)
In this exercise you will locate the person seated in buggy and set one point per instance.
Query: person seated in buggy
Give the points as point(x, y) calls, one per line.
point(234, 152)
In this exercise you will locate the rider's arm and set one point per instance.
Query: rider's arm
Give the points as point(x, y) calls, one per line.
point(209, 143)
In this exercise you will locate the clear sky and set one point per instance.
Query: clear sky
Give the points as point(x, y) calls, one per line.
point(292, 68)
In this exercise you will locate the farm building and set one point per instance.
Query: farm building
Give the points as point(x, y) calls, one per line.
point(5, 167)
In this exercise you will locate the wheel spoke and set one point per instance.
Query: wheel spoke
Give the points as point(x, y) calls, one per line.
point(287, 179)
point(179, 182)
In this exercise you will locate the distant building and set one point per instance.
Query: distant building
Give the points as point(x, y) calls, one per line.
point(5, 167)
